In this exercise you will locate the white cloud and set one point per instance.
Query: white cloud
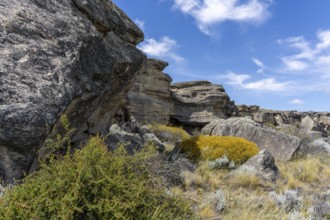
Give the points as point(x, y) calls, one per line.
point(324, 37)
point(163, 48)
point(294, 64)
point(139, 23)
point(211, 12)
point(260, 64)
point(267, 84)
point(296, 102)
point(310, 58)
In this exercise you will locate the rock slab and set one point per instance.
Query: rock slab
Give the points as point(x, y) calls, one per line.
point(264, 164)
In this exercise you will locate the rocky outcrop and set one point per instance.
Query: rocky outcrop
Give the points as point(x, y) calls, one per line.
point(264, 165)
point(149, 100)
point(281, 146)
point(247, 110)
point(74, 57)
point(132, 137)
point(307, 125)
point(191, 104)
point(198, 103)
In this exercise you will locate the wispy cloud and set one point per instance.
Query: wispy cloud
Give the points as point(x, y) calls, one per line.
point(210, 12)
point(296, 102)
point(266, 84)
point(163, 48)
point(260, 64)
point(140, 23)
point(309, 58)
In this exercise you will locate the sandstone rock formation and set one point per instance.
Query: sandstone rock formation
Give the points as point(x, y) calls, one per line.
point(149, 100)
point(281, 146)
point(194, 104)
point(198, 103)
point(75, 57)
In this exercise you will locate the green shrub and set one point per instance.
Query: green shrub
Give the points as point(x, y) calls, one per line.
point(93, 183)
point(169, 134)
point(205, 147)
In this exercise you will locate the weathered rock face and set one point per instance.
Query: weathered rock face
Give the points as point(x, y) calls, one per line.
point(73, 56)
point(150, 100)
point(281, 146)
point(200, 102)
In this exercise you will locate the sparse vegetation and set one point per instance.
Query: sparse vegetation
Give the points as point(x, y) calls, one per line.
point(290, 200)
point(205, 147)
point(246, 196)
point(245, 176)
point(95, 184)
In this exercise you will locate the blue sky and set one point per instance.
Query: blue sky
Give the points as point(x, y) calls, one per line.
point(271, 53)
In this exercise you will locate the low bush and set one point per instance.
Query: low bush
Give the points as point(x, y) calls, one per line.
point(169, 134)
point(290, 200)
point(205, 147)
point(93, 183)
point(216, 200)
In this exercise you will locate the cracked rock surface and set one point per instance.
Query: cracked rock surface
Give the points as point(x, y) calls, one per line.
point(60, 56)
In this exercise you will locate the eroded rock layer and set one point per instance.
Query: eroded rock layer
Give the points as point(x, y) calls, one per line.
point(198, 103)
point(149, 100)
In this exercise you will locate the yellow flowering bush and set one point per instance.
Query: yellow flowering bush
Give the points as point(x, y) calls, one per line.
point(169, 133)
point(205, 147)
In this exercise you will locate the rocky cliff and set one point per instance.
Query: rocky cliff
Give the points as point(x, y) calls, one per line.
point(75, 57)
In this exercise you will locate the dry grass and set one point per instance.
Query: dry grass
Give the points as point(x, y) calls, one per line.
point(248, 197)
point(245, 180)
point(305, 173)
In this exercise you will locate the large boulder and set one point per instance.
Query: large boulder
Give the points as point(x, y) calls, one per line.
point(75, 57)
point(318, 147)
point(264, 165)
point(281, 146)
point(149, 100)
point(198, 103)
point(311, 129)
